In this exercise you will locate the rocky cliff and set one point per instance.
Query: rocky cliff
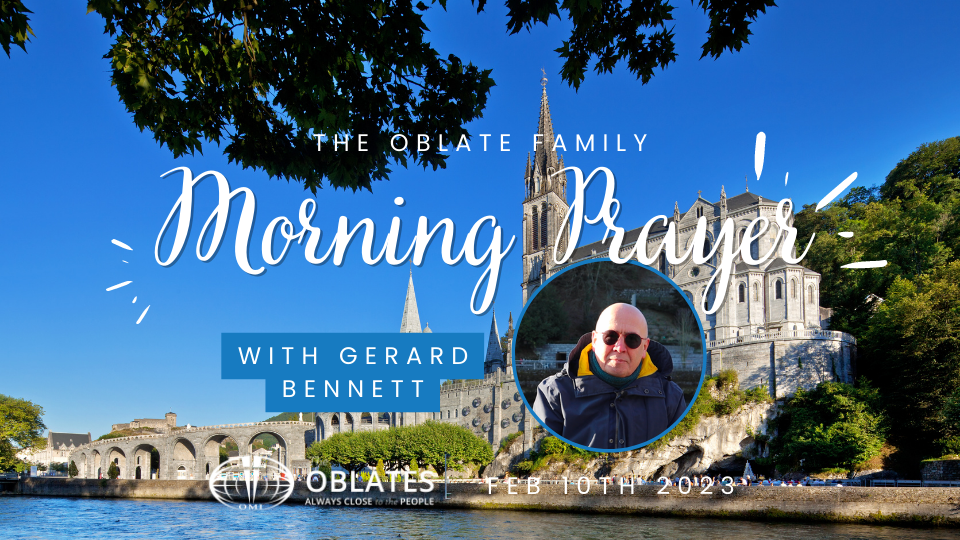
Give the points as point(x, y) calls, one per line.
point(716, 444)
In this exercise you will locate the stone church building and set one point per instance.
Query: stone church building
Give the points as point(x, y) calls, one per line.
point(770, 326)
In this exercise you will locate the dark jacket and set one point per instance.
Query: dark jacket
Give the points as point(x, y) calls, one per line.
point(590, 412)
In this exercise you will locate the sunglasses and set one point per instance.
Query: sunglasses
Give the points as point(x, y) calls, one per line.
point(611, 337)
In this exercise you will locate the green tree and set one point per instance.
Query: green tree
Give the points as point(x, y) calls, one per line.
point(21, 426)
point(264, 77)
point(435, 439)
point(113, 472)
point(73, 471)
point(349, 450)
point(834, 425)
point(932, 169)
point(913, 348)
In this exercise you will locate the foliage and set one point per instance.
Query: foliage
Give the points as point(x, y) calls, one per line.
point(905, 315)
point(551, 450)
point(914, 347)
point(609, 32)
point(60, 467)
point(21, 426)
point(719, 396)
point(381, 471)
point(291, 417)
point(508, 440)
point(14, 25)
point(262, 78)
point(405, 446)
point(113, 472)
point(950, 414)
point(834, 425)
point(73, 471)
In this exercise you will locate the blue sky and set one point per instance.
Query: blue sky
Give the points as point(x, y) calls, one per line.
point(837, 88)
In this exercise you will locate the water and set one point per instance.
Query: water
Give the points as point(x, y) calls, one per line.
point(49, 517)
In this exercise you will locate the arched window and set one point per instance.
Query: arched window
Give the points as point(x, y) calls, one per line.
point(810, 294)
point(543, 225)
point(740, 237)
point(793, 288)
point(536, 228)
point(706, 246)
point(663, 263)
point(699, 212)
point(778, 290)
point(742, 293)
point(756, 292)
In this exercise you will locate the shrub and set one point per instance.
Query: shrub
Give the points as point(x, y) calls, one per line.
point(113, 472)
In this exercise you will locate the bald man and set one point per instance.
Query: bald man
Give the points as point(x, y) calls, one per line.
point(615, 391)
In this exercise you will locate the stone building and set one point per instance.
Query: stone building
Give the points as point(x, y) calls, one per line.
point(769, 326)
point(59, 446)
point(159, 424)
point(490, 407)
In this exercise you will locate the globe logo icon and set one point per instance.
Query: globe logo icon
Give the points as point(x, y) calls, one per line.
point(251, 483)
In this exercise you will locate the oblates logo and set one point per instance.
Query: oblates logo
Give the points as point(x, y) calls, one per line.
point(251, 482)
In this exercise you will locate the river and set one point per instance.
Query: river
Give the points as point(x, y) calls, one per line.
point(51, 517)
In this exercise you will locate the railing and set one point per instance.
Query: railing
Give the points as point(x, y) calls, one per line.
point(541, 364)
point(784, 334)
point(915, 483)
point(191, 429)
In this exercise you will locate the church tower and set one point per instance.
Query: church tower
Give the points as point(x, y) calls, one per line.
point(544, 205)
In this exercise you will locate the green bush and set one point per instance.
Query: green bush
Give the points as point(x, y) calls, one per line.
point(833, 426)
point(113, 472)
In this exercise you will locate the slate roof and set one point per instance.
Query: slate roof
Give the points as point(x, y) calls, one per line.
point(56, 439)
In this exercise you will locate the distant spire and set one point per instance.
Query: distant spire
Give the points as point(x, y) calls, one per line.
point(746, 183)
point(676, 211)
point(494, 351)
point(411, 317)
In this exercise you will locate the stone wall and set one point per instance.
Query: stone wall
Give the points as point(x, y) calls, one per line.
point(883, 505)
point(944, 469)
point(785, 364)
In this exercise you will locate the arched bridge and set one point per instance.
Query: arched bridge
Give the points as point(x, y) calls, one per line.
point(192, 453)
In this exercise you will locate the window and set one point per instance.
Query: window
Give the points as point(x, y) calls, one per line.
point(536, 229)
point(663, 263)
point(543, 226)
point(793, 288)
point(778, 290)
point(756, 292)
point(699, 212)
point(742, 293)
point(810, 294)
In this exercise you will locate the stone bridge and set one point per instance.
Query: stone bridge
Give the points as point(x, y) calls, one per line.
point(191, 453)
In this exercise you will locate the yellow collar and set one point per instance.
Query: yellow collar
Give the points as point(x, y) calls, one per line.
point(647, 367)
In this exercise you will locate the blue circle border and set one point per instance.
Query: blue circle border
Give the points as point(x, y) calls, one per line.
point(703, 369)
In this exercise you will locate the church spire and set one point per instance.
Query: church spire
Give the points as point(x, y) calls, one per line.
point(411, 317)
point(545, 160)
point(494, 358)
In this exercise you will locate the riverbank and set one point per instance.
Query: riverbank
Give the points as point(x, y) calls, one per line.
point(901, 506)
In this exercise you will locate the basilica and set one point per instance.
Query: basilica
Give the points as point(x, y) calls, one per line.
point(769, 328)
point(769, 320)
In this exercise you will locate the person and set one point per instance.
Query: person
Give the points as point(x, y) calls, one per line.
point(615, 391)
